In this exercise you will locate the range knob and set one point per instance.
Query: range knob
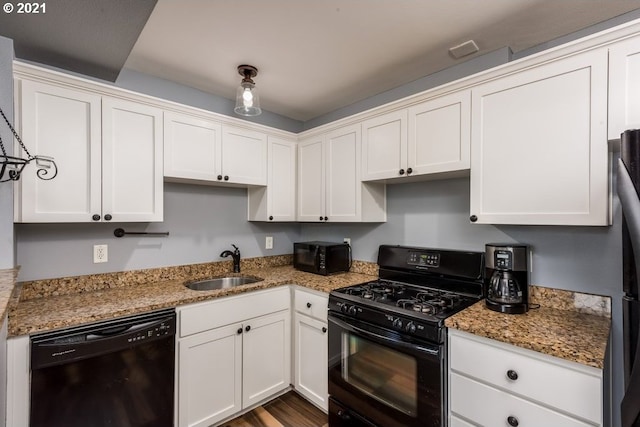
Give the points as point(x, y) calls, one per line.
point(352, 310)
point(410, 328)
point(397, 323)
point(344, 308)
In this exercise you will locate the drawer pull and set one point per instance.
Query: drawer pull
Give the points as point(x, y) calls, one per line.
point(324, 330)
point(512, 375)
point(308, 305)
point(248, 328)
point(239, 331)
point(513, 421)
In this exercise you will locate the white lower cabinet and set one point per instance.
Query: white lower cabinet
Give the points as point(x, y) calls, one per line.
point(497, 384)
point(228, 359)
point(310, 347)
point(210, 376)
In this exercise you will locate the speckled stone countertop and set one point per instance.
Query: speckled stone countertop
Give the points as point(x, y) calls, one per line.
point(7, 284)
point(563, 326)
point(60, 303)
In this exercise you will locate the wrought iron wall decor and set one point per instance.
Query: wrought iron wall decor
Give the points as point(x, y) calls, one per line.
point(11, 167)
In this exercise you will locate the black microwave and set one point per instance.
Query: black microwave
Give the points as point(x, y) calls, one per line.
point(322, 257)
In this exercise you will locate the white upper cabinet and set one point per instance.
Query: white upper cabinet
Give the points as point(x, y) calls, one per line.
point(342, 150)
point(244, 156)
point(276, 201)
point(426, 139)
point(199, 149)
point(624, 86)
point(311, 179)
point(131, 161)
point(329, 185)
point(439, 135)
point(192, 147)
point(384, 146)
point(539, 144)
point(108, 152)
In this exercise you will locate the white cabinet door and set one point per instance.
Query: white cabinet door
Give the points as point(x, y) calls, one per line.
point(440, 135)
point(539, 145)
point(311, 180)
point(192, 147)
point(624, 86)
point(108, 152)
point(209, 376)
point(310, 356)
point(266, 357)
point(276, 201)
point(65, 124)
point(384, 146)
point(343, 154)
point(244, 156)
point(132, 162)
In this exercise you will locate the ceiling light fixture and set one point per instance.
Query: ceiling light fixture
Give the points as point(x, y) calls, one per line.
point(247, 100)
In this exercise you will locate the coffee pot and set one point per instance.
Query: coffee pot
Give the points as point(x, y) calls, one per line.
point(507, 278)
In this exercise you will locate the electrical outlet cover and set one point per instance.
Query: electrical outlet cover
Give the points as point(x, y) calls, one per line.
point(100, 253)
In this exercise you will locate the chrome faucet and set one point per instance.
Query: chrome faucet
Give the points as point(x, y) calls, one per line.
point(236, 258)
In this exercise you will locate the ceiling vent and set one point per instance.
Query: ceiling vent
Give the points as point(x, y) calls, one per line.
point(464, 49)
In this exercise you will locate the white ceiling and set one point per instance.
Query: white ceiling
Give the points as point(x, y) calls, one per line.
point(315, 56)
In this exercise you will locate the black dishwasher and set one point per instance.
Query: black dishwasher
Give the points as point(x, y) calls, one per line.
point(118, 373)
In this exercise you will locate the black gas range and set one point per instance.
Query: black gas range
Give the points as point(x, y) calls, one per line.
point(387, 339)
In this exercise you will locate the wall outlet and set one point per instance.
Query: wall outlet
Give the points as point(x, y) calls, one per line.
point(100, 253)
point(347, 240)
point(268, 242)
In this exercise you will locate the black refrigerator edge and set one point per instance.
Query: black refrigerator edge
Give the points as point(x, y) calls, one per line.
point(628, 185)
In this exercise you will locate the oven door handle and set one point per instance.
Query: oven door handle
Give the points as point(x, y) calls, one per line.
point(412, 346)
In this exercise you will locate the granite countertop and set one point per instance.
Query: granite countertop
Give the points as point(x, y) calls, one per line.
point(7, 284)
point(563, 326)
point(568, 334)
point(39, 313)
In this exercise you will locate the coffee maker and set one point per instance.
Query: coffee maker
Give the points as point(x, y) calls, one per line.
point(507, 278)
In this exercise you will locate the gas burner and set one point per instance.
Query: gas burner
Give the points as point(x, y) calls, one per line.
point(367, 294)
point(425, 308)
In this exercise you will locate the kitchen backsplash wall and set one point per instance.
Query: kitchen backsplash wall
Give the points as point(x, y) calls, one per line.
point(436, 214)
point(202, 222)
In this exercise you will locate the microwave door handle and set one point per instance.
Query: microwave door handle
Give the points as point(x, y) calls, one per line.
point(382, 339)
point(316, 257)
point(350, 257)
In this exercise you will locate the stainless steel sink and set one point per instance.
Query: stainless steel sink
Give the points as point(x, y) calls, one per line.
point(221, 283)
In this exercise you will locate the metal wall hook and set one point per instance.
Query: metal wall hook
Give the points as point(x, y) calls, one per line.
point(119, 232)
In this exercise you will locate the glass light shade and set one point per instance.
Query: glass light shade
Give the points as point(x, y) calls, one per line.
point(247, 100)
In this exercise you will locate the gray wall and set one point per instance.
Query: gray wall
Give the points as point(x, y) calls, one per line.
point(7, 257)
point(202, 222)
point(436, 214)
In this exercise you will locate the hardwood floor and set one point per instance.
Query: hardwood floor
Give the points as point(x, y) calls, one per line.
point(288, 410)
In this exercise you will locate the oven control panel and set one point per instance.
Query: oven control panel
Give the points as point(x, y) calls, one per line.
point(392, 321)
point(424, 259)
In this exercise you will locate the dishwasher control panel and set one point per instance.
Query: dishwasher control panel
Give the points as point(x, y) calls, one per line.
point(156, 331)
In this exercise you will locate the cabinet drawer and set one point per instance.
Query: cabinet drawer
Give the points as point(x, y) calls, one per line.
point(571, 387)
point(487, 406)
point(311, 304)
point(457, 422)
point(224, 311)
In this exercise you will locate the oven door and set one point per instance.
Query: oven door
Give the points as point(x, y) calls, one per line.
point(380, 376)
